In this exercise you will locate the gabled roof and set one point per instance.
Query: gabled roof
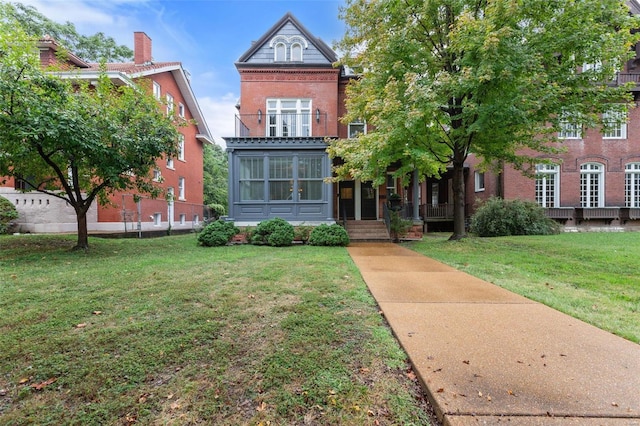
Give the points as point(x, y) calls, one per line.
point(326, 51)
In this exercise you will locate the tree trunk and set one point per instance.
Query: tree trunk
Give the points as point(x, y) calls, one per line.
point(459, 230)
point(83, 234)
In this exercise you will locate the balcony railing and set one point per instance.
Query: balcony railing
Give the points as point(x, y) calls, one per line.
point(284, 125)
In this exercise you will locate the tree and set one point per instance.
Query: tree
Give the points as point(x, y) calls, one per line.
point(215, 175)
point(72, 139)
point(442, 79)
point(96, 48)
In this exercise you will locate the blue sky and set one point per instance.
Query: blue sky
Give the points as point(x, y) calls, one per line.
point(207, 36)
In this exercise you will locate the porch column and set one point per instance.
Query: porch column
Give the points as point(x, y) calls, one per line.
point(416, 200)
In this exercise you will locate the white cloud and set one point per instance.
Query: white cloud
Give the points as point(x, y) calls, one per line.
point(220, 115)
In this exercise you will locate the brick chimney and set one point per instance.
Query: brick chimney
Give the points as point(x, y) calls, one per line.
point(141, 48)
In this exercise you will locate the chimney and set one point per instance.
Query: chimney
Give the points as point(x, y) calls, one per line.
point(141, 48)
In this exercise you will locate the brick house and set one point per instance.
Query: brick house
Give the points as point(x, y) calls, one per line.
point(291, 99)
point(181, 176)
point(594, 184)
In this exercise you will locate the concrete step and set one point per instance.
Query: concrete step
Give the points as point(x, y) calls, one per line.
point(367, 230)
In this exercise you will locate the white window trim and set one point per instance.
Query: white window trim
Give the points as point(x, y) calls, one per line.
point(300, 112)
point(170, 104)
point(157, 219)
point(181, 110)
point(181, 146)
point(170, 164)
point(181, 188)
point(550, 169)
point(622, 126)
point(632, 198)
point(157, 90)
point(479, 186)
point(600, 188)
point(357, 123)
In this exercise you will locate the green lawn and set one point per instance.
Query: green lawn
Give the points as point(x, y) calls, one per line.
point(592, 276)
point(161, 331)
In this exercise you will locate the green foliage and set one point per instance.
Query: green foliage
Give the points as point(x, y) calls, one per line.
point(8, 213)
point(97, 47)
point(302, 233)
point(216, 178)
point(498, 218)
point(398, 225)
point(217, 233)
point(329, 235)
point(75, 140)
point(491, 79)
point(217, 210)
point(275, 232)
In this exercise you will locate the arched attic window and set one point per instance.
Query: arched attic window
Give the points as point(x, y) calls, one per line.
point(296, 52)
point(280, 52)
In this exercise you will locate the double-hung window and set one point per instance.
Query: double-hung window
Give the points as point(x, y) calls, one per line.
point(310, 178)
point(569, 128)
point(356, 128)
point(289, 117)
point(614, 124)
point(632, 185)
point(181, 147)
point(251, 179)
point(280, 178)
point(547, 185)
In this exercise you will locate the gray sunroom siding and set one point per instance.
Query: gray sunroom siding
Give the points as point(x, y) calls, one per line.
point(297, 211)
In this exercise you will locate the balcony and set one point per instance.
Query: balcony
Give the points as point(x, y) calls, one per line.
point(285, 125)
point(628, 77)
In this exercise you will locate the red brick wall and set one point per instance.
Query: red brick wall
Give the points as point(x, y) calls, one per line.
point(318, 84)
point(191, 168)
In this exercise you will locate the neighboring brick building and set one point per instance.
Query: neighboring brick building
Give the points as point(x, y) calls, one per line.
point(182, 176)
point(594, 184)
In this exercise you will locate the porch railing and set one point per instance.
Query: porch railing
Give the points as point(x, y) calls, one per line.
point(437, 211)
point(282, 125)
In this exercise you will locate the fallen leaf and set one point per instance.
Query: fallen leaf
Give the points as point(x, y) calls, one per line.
point(260, 408)
point(411, 375)
point(614, 404)
point(41, 385)
point(23, 380)
point(466, 362)
point(488, 398)
point(440, 390)
point(479, 393)
point(81, 325)
point(175, 406)
point(97, 312)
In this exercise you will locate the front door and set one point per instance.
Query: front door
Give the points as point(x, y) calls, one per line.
point(347, 199)
point(367, 201)
point(358, 200)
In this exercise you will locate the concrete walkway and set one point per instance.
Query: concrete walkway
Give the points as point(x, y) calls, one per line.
point(488, 356)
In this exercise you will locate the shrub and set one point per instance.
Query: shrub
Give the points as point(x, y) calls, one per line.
point(398, 226)
point(302, 233)
point(8, 213)
point(217, 233)
point(275, 232)
point(217, 210)
point(497, 217)
point(329, 235)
